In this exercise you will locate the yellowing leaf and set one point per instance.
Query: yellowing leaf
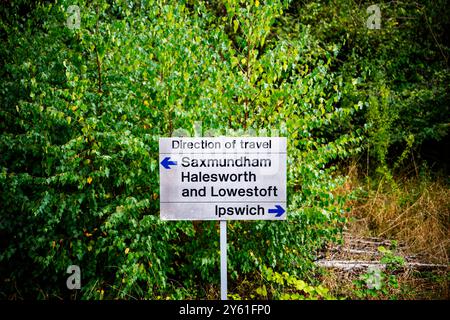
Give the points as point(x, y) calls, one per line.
point(262, 291)
point(235, 25)
point(146, 103)
point(300, 285)
point(234, 61)
point(89, 180)
point(127, 250)
point(257, 3)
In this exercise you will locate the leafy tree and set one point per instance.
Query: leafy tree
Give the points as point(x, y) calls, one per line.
point(400, 71)
point(82, 110)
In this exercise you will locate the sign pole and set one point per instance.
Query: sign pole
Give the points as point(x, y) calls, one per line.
point(223, 259)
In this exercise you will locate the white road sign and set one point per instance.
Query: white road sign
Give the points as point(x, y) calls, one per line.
point(224, 178)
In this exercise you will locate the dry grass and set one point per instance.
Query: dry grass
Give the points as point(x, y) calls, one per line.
point(415, 211)
point(412, 286)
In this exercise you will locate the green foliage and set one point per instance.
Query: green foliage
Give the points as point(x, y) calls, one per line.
point(399, 72)
point(376, 283)
point(365, 288)
point(392, 261)
point(82, 110)
point(282, 286)
point(287, 287)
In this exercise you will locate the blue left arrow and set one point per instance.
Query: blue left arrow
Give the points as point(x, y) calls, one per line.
point(279, 211)
point(166, 163)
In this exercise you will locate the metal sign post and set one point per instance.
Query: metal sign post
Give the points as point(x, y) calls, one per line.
point(223, 260)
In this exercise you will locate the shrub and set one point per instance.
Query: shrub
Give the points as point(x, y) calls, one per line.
point(81, 113)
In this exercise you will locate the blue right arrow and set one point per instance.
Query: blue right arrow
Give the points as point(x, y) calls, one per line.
point(279, 211)
point(166, 163)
